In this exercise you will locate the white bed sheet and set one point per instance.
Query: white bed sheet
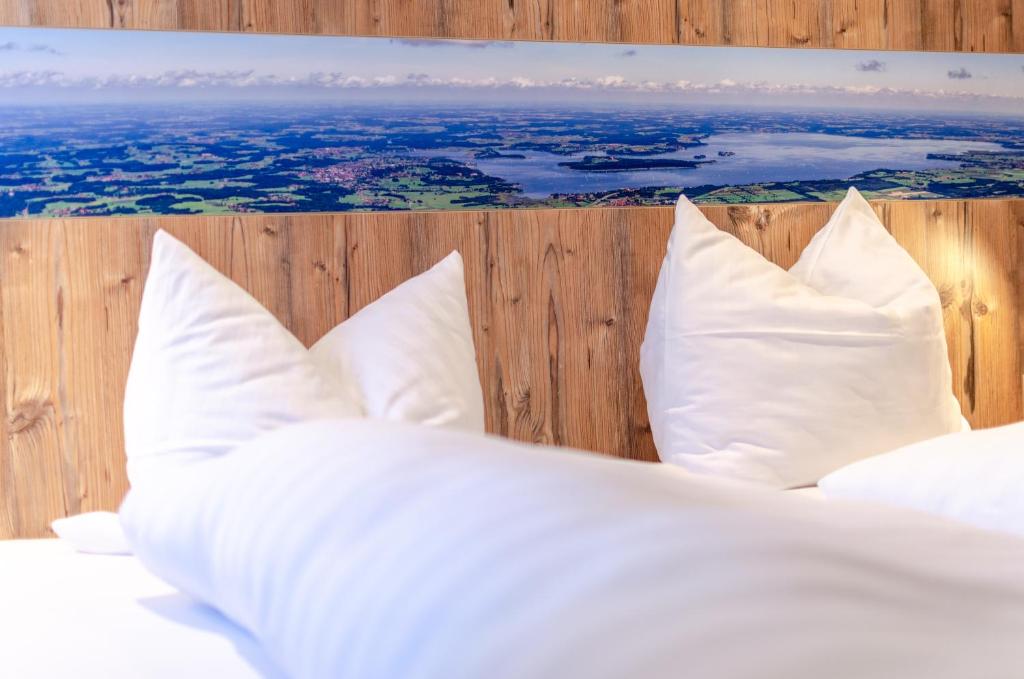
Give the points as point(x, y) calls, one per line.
point(808, 491)
point(66, 614)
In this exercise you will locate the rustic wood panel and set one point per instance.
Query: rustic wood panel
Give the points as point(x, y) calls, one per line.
point(969, 25)
point(558, 300)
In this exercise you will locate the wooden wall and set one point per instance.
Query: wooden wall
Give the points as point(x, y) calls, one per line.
point(969, 25)
point(558, 298)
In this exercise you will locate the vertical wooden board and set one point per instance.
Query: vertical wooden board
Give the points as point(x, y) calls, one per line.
point(15, 13)
point(586, 20)
point(9, 515)
point(583, 266)
point(907, 225)
point(32, 307)
point(265, 16)
point(379, 256)
point(638, 21)
point(260, 261)
point(724, 22)
point(529, 20)
point(316, 273)
point(995, 310)
point(702, 22)
point(745, 22)
point(643, 21)
point(1017, 224)
point(490, 19)
point(1017, 26)
point(942, 25)
point(642, 236)
point(795, 23)
point(948, 266)
point(859, 24)
point(63, 13)
point(903, 25)
point(525, 340)
point(986, 25)
point(182, 15)
point(103, 264)
point(203, 15)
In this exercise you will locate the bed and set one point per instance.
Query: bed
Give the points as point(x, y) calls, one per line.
point(105, 617)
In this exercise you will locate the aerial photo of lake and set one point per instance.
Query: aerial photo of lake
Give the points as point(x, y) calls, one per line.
point(308, 126)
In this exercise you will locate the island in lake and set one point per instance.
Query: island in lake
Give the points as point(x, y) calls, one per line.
point(615, 164)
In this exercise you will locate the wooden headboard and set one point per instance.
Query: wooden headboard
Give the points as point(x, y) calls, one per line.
point(558, 297)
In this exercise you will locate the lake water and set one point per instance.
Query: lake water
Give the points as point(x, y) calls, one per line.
point(760, 157)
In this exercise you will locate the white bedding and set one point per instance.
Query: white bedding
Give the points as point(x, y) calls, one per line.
point(65, 614)
point(808, 491)
point(373, 551)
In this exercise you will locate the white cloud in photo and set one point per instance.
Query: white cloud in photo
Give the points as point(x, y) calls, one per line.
point(465, 44)
point(11, 46)
point(242, 80)
point(871, 66)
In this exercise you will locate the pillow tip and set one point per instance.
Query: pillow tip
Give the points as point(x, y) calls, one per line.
point(682, 202)
point(855, 198)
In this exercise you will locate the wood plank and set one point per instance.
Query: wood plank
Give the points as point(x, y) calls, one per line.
point(995, 312)
point(1017, 223)
point(640, 239)
point(936, 238)
point(942, 25)
point(635, 21)
point(9, 511)
point(703, 22)
point(522, 378)
point(795, 23)
point(986, 26)
point(33, 314)
point(903, 25)
point(1017, 26)
point(316, 273)
point(859, 24)
point(194, 15)
point(101, 289)
point(80, 14)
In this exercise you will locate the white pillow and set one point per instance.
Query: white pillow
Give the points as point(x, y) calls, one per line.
point(976, 477)
point(780, 377)
point(93, 533)
point(212, 368)
point(375, 550)
point(411, 352)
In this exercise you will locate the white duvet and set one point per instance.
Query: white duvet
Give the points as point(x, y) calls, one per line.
point(372, 551)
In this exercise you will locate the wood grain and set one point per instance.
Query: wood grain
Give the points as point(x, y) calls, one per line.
point(558, 300)
point(969, 25)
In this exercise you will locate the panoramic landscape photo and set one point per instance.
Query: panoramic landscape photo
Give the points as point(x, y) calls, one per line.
point(128, 123)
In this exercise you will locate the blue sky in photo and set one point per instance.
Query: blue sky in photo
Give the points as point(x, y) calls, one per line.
point(63, 66)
